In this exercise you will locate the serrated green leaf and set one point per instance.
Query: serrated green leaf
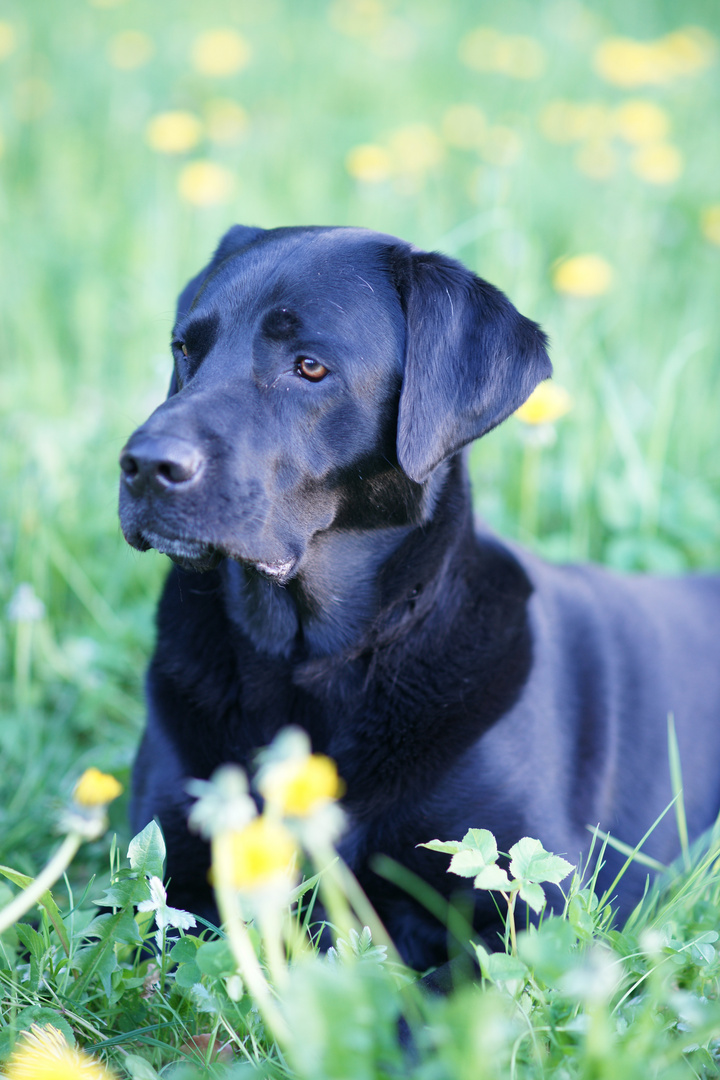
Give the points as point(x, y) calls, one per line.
point(449, 847)
point(529, 861)
point(478, 851)
point(146, 851)
point(33, 942)
point(533, 895)
point(99, 960)
point(123, 892)
point(493, 877)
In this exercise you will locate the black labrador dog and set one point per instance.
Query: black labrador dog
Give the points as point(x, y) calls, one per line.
point(306, 479)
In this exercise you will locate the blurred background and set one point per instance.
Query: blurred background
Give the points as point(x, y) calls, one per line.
point(570, 154)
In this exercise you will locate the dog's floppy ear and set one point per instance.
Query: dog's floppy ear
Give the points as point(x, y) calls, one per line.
point(471, 359)
point(234, 240)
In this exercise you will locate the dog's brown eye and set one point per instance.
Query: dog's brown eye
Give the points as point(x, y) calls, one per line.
point(184, 350)
point(310, 369)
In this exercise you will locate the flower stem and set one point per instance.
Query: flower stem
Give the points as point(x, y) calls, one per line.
point(47, 877)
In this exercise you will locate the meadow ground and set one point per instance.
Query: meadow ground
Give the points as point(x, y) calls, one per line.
point(569, 154)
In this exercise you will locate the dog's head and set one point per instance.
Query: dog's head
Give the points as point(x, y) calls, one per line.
point(321, 377)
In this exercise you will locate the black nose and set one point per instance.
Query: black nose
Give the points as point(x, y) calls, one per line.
point(159, 462)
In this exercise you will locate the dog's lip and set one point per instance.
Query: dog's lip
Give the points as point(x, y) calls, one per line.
point(203, 555)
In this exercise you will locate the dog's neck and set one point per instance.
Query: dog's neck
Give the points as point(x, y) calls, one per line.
point(339, 590)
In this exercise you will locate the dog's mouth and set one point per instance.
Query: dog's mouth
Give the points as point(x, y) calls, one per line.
point(199, 555)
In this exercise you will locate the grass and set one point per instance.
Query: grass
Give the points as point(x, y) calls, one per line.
point(97, 240)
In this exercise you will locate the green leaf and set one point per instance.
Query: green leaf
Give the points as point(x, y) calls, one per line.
point(215, 958)
point(187, 975)
point(147, 851)
point(138, 1068)
point(478, 851)
point(493, 877)
point(530, 861)
point(46, 901)
point(449, 847)
point(499, 967)
point(549, 950)
point(100, 960)
point(184, 951)
point(533, 895)
point(123, 892)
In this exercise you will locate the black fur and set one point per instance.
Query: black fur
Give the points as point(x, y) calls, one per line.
point(329, 576)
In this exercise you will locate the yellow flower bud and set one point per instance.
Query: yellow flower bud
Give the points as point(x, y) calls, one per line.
point(547, 403)
point(298, 787)
point(173, 132)
point(95, 788)
point(259, 856)
point(583, 275)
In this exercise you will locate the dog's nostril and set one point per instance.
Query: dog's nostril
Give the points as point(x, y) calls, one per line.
point(175, 472)
point(160, 463)
point(129, 465)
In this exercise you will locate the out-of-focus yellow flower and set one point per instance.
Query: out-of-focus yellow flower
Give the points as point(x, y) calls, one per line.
point(415, 149)
point(640, 121)
point(173, 132)
point(568, 121)
point(628, 62)
point(225, 120)
point(369, 163)
point(220, 52)
point(487, 49)
point(710, 223)
point(547, 403)
point(501, 146)
point(596, 159)
point(260, 856)
point(464, 126)
point(43, 1053)
point(95, 788)
point(8, 39)
point(32, 99)
point(204, 183)
point(299, 786)
point(358, 18)
point(583, 275)
point(130, 49)
point(657, 163)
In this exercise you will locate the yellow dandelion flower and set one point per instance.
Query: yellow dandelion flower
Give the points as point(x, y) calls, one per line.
point(487, 49)
point(415, 149)
point(583, 275)
point(464, 126)
point(640, 121)
point(688, 50)
point(43, 1053)
point(261, 855)
point(358, 18)
point(95, 788)
point(299, 786)
point(501, 146)
point(203, 183)
point(596, 159)
point(226, 121)
point(657, 163)
point(8, 39)
point(710, 223)
point(130, 49)
point(547, 403)
point(369, 163)
point(628, 62)
point(220, 52)
point(173, 132)
point(568, 121)
point(521, 57)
